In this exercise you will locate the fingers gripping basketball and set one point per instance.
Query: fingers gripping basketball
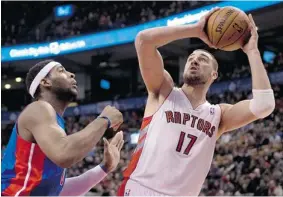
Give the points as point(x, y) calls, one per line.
point(228, 28)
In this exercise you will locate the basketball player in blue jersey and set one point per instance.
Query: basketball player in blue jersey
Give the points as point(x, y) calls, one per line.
point(39, 151)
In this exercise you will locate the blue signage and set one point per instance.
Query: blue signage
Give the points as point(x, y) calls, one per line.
point(115, 37)
point(104, 84)
point(63, 11)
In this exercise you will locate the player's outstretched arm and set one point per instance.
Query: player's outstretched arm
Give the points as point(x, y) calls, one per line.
point(40, 120)
point(150, 60)
point(80, 185)
point(263, 102)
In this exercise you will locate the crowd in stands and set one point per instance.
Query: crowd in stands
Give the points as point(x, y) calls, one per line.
point(20, 22)
point(248, 161)
point(20, 19)
point(236, 71)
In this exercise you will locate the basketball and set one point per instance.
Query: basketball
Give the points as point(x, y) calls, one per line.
point(227, 28)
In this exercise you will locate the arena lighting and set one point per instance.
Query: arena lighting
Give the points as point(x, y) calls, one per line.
point(134, 138)
point(116, 37)
point(104, 84)
point(64, 11)
point(73, 104)
point(7, 86)
point(268, 56)
point(18, 79)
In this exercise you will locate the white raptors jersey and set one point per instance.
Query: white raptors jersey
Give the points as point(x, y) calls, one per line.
point(175, 147)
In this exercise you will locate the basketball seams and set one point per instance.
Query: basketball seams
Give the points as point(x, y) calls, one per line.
point(227, 28)
point(209, 25)
point(236, 39)
point(213, 25)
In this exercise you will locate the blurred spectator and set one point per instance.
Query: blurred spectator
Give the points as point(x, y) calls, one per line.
point(21, 20)
point(279, 59)
point(248, 161)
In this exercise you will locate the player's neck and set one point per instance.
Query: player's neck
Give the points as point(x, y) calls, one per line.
point(195, 94)
point(58, 105)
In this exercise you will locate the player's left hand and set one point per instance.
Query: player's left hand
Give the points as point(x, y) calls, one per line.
point(251, 45)
point(201, 27)
point(112, 151)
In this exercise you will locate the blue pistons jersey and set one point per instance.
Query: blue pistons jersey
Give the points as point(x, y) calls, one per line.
point(26, 171)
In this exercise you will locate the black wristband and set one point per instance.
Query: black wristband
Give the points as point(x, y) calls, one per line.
point(108, 121)
point(104, 168)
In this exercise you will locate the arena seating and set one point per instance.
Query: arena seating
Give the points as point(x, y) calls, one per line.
point(248, 161)
point(20, 22)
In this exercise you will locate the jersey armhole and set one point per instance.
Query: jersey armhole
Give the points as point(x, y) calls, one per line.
point(148, 117)
point(219, 122)
point(220, 114)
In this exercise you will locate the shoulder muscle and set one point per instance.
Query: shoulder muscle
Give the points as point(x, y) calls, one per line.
point(39, 112)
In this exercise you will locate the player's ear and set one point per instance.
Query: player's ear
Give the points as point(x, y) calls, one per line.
point(45, 82)
point(214, 75)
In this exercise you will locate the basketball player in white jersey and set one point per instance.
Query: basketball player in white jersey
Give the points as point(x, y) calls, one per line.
point(180, 128)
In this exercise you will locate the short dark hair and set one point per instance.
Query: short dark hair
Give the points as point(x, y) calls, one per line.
point(33, 71)
point(215, 63)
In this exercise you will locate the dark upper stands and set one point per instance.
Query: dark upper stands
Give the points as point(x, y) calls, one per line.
point(20, 20)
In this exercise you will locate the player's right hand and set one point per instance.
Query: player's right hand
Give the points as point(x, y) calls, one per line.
point(114, 115)
point(252, 44)
point(201, 27)
point(112, 151)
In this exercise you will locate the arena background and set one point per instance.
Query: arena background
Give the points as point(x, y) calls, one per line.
point(95, 41)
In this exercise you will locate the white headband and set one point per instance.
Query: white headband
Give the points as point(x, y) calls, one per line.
point(42, 73)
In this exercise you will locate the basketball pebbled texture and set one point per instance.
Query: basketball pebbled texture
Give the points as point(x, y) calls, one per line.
point(227, 28)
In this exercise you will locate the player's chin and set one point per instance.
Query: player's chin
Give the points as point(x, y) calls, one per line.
point(194, 72)
point(192, 75)
point(74, 91)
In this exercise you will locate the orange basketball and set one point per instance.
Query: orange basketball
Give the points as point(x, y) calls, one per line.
point(227, 28)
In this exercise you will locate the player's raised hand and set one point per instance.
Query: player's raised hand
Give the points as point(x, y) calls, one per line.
point(201, 27)
point(251, 45)
point(114, 115)
point(112, 151)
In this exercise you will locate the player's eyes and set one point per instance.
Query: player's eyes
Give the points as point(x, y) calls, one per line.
point(202, 59)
